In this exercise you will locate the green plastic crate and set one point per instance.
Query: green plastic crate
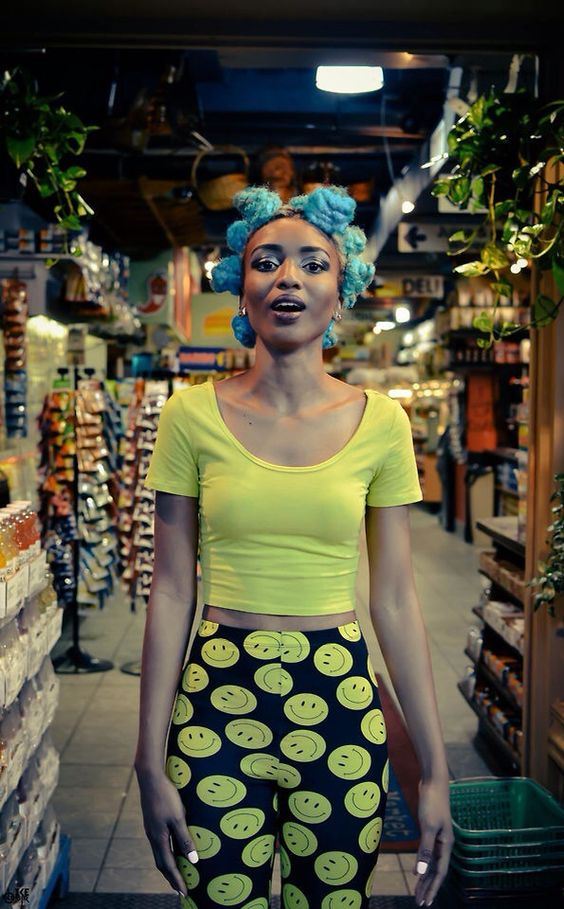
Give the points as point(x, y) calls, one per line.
point(511, 810)
point(540, 877)
point(509, 862)
point(507, 850)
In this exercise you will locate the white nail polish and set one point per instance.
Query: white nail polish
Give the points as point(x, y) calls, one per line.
point(193, 856)
point(422, 867)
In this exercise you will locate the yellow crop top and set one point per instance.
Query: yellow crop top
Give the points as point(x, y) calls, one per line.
point(276, 539)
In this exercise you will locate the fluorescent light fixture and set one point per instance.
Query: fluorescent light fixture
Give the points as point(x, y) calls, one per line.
point(349, 80)
point(402, 314)
point(385, 325)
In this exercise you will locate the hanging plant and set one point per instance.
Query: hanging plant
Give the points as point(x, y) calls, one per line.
point(551, 578)
point(503, 148)
point(38, 134)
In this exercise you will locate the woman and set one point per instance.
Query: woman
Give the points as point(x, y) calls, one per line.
point(277, 729)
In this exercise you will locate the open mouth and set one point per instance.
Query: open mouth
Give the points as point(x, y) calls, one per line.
point(288, 304)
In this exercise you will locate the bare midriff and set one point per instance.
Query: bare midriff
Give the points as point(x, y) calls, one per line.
point(265, 622)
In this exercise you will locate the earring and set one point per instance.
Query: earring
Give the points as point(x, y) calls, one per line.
point(337, 315)
point(242, 309)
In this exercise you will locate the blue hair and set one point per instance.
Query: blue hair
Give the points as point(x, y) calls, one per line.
point(330, 209)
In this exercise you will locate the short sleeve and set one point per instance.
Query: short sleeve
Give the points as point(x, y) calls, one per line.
point(173, 466)
point(396, 481)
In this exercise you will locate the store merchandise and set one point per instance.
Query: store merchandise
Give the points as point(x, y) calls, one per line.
point(494, 685)
point(136, 504)
point(30, 625)
point(81, 429)
point(15, 313)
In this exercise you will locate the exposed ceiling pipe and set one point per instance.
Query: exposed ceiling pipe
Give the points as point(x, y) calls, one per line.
point(416, 179)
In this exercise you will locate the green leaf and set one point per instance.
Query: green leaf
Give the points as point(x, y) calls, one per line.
point(503, 287)
point(459, 191)
point(483, 342)
point(544, 311)
point(503, 208)
point(440, 188)
point(71, 222)
point(533, 229)
point(494, 256)
point(459, 236)
point(472, 269)
point(477, 111)
point(547, 213)
point(20, 150)
point(483, 322)
point(75, 172)
point(558, 275)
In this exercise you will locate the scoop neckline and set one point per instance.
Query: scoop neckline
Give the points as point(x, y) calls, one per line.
point(288, 467)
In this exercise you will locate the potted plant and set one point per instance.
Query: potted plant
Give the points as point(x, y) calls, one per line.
point(37, 136)
point(505, 149)
point(551, 577)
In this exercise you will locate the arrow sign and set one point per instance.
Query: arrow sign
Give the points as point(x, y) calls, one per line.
point(414, 238)
point(419, 236)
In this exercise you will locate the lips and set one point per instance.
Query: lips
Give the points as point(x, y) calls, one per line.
point(287, 303)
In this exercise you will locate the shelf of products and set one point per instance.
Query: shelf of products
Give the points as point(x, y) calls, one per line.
point(79, 484)
point(136, 504)
point(494, 684)
point(30, 626)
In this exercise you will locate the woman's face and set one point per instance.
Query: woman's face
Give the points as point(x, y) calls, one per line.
point(289, 260)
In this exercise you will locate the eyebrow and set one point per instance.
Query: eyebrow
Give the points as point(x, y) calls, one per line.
point(276, 247)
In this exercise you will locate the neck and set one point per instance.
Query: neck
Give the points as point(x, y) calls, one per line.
point(290, 382)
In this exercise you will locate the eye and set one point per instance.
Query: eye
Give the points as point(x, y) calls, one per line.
point(264, 264)
point(315, 266)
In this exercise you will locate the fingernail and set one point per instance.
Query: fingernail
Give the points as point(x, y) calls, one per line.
point(193, 856)
point(421, 869)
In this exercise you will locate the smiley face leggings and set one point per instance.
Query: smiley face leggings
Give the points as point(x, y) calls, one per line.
point(278, 739)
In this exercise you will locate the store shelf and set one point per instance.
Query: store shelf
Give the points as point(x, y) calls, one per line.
point(59, 877)
point(493, 680)
point(506, 590)
point(507, 492)
point(489, 729)
point(503, 530)
point(477, 610)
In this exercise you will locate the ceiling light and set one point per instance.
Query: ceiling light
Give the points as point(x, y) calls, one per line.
point(407, 207)
point(384, 325)
point(349, 80)
point(523, 263)
point(515, 268)
point(402, 314)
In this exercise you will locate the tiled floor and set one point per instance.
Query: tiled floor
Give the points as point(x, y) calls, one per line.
point(95, 727)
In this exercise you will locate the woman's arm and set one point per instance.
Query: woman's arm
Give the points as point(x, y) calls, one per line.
point(396, 615)
point(170, 614)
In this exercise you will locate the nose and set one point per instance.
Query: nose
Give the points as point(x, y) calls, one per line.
point(288, 274)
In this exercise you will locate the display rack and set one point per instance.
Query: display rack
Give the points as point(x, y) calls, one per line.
point(497, 691)
point(30, 835)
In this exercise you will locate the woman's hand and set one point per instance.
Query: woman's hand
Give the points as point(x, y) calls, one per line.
point(437, 839)
point(163, 818)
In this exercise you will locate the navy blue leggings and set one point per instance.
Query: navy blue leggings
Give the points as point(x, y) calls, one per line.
point(278, 737)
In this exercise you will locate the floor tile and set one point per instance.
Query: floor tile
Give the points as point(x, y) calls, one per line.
point(132, 880)
point(87, 853)
point(82, 881)
point(389, 883)
point(129, 853)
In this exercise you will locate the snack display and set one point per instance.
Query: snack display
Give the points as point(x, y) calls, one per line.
point(137, 503)
point(15, 313)
point(80, 433)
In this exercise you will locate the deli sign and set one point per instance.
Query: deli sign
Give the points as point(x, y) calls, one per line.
point(411, 286)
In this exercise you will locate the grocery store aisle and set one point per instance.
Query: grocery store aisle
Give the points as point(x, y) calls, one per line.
point(95, 727)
